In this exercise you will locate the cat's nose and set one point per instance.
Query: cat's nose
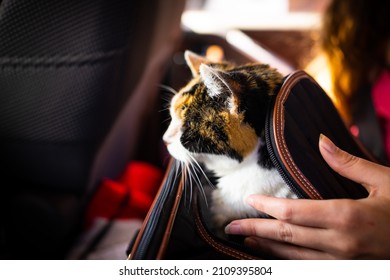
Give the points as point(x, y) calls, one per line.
point(166, 139)
point(170, 135)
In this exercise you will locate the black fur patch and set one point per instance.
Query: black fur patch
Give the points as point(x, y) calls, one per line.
point(264, 159)
point(204, 128)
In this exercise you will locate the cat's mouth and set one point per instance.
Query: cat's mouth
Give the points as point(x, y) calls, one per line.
point(177, 151)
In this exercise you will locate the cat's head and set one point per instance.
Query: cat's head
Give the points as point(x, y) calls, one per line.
point(221, 111)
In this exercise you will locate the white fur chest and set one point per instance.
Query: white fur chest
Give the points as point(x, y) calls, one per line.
point(239, 180)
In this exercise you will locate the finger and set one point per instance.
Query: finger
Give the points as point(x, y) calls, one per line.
point(284, 232)
point(284, 250)
point(369, 174)
point(303, 212)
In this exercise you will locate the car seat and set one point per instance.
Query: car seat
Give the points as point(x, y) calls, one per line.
point(77, 80)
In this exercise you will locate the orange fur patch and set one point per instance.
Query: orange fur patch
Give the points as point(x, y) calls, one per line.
point(242, 137)
point(181, 104)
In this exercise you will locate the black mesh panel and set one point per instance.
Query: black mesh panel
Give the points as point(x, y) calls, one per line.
point(61, 68)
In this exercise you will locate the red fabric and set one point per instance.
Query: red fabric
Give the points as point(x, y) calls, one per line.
point(381, 99)
point(135, 190)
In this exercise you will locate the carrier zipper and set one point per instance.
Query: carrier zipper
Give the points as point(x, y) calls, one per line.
point(269, 139)
point(151, 225)
point(157, 211)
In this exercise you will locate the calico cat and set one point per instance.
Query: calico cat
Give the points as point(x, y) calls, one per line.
point(218, 120)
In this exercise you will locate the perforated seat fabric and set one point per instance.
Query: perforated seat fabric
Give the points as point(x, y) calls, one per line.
point(71, 74)
point(58, 61)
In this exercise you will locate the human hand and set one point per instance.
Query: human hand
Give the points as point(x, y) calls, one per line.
point(325, 229)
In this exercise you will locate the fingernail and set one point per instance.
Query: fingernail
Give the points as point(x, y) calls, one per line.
point(327, 144)
point(233, 228)
point(250, 200)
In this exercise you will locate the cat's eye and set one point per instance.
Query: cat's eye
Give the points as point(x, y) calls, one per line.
point(183, 107)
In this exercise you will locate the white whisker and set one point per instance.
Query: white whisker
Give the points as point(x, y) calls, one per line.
point(199, 182)
point(166, 120)
point(201, 170)
point(163, 110)
point(168, 89)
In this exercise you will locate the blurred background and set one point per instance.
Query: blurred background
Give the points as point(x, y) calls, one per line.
point(83, 99)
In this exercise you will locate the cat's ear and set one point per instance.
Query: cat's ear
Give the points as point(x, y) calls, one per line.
point(218, 82)
point(194, 61)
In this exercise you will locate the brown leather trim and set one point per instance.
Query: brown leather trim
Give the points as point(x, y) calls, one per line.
point(218, 246)
point(142, 229)
point(171, 221)
point(278, 125)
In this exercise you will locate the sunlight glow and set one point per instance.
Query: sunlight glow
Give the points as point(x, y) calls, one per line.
point(220, 16)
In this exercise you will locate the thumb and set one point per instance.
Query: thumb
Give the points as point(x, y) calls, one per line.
point(364, 172)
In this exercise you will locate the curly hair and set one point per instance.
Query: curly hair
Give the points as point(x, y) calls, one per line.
point(355, 38)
